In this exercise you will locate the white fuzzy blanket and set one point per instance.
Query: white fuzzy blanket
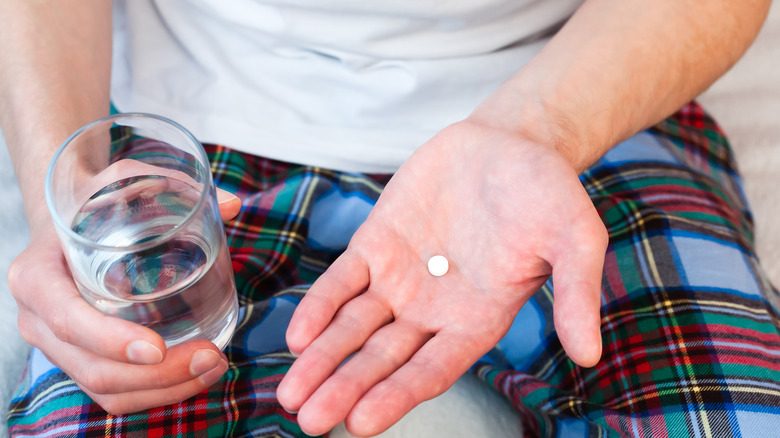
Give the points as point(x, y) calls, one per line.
point(13, 238)
point(747, 104)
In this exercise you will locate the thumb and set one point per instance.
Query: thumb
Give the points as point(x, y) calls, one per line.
point(577, 289)
point(229, 204)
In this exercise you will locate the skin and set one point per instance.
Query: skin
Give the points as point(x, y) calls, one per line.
point(54, 73)
point(614, 69)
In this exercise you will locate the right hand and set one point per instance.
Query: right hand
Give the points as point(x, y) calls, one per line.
point(122, 366)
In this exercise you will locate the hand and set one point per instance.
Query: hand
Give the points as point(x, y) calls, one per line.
point(90, 183)
point(122, 366)
point(507, 213)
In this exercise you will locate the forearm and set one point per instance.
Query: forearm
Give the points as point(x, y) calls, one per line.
point(54, 77)
point(618, 67)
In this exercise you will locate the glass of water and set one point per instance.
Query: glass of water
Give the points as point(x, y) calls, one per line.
point(135, 207)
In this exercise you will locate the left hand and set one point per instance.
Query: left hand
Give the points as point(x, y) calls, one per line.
point(507, 212)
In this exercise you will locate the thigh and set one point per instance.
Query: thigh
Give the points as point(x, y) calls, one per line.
point(691, 345)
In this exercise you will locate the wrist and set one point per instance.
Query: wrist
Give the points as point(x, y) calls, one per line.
point(529, 114)
point(32, 150)
point(31, 161)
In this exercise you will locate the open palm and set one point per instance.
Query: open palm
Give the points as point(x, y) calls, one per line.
point(507, 213)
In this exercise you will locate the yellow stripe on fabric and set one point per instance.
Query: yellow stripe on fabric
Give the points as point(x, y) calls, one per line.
point(308, 196)
point(362, 180)
point(249, 310)
point(716, 230)
point(42, 395)
point(650, 310)
point(649, 253)
point(736, 306)
point(229, 172)
point(656, 393)
point(543, 372)
point(626, 176)
point(682, 348)
point(313, 261)
point(259, 230)
point(109, 426)
point(229, 395)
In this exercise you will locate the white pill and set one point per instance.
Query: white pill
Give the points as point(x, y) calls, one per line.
point(438, 265)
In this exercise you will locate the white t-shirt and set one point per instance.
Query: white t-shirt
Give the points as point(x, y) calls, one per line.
point(353, 85)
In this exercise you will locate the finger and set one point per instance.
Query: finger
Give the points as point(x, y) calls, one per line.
point(119, 193)
point(117, 404)
point(90, 182)
point(229, 204)
point(430, 372)
point(42, 285)
point(347, 277)
point(384, 352)
point(353, 324)
point(577, 289)
point(104, 376)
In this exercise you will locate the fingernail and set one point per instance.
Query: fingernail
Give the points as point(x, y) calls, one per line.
point(224, 197)
point(202, 361)
point(211, 377)
point(287, 410)
point(143, 353)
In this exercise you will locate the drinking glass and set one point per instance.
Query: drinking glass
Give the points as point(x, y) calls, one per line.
point(135, 207)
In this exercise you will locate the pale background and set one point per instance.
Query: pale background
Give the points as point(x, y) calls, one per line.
point(746, 102)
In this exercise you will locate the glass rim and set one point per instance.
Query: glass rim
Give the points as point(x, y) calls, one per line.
point(146, 244)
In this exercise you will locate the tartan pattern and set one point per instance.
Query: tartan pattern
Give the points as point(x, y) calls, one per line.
point(271, 260)
point(690, 327)
point(690, 324)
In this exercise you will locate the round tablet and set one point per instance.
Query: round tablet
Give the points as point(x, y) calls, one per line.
point(438, 265)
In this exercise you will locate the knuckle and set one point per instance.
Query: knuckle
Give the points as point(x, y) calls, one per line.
point(111, 404)
point(591, 239)
point(161, 379)
point(114, 404)
point(440, 382)
point(94, 381)
point(594, 244)
point(602, 236)
point(180, 393)
point(26, 326)
point(458, 129)
point(17, 273)
point(59, 322)
point(404, 394)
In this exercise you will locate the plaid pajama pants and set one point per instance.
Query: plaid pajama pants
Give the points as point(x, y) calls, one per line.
point(690, 326)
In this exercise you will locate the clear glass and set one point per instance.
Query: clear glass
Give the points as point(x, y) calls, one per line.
point(135, 207)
